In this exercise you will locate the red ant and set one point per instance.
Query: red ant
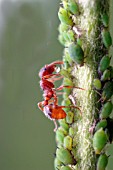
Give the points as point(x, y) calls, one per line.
point(51, 109)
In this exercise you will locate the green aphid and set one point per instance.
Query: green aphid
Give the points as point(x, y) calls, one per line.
point(60, 136)
point(64, 156)
point(107, 90)
point(101, 124)
point(106, 75)
point(76, 53)
point(105, 19)
point(65, 35)
point(65, 5)
point(111, 72)
point(79, 41)
point(71, 35)
point(68, 142)
point(97, 84)
point(64, 73)
point(64, 125)
point(73, 7)
point(65, 168)
point(102, 162)
point(66, 65)
point(67, 82)
point(71, 131)
point(57, 163)
point(63, 27)
point(62, 40)
point(64, 16)
point(109, 129)
point(99, 140)
point(106, 110)
point(67, 57)
point(106, 38)
point(66, 102)
point(104, 63)
point(70, 117)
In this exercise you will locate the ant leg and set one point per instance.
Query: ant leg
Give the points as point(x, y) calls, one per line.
point(63, 86)
point(56, 126)
point(55, 63)
point(55, 79)
point(51, 75)
point(70, 107)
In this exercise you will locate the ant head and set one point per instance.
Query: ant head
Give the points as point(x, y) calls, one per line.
point(46, 70)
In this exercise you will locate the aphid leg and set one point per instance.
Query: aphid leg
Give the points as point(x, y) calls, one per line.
point(56, 126)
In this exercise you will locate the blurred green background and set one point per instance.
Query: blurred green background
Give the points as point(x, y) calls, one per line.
point(28, 41)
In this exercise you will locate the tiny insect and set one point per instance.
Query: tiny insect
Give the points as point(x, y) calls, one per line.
point(73, 7)
point(106, 110)
point(104, 63)
point(76, 53)
point(99, 140)
point(68, 142)
point(64, 16)
point(101, 124)
point(107, 91)
point(102, 162)
point(105, 19)
point(65, 156)
point(106, 38)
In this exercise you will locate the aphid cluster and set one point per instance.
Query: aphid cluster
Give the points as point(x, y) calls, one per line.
point(104, 85)
point(70, 38)
point(69, 33)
